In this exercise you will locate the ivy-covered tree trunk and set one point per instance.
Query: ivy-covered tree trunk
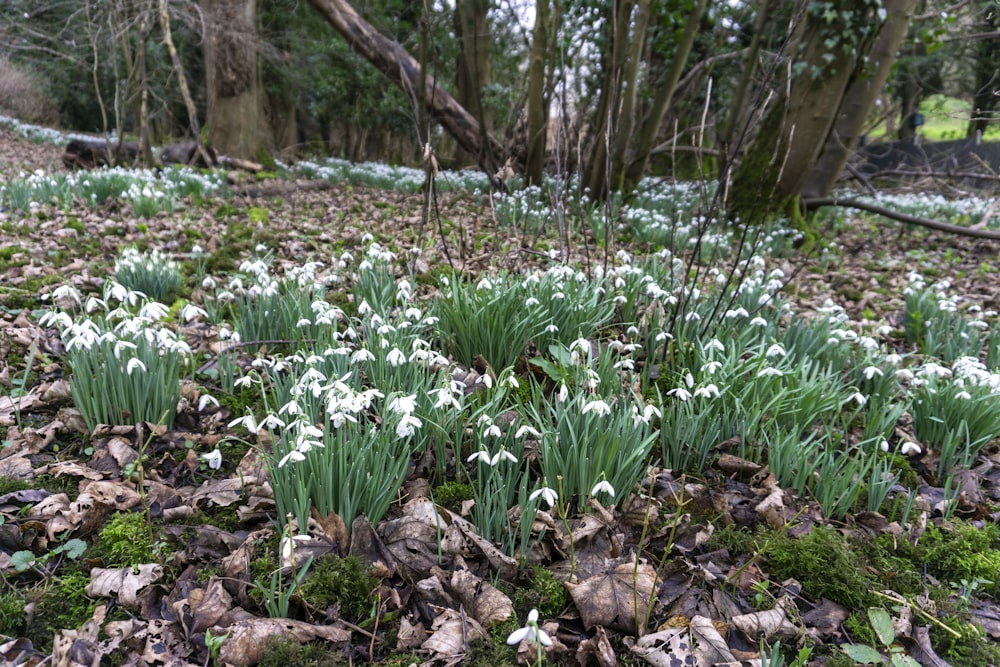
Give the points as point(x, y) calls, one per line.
point(231, 70)
point(864, 88)
point(801, 114)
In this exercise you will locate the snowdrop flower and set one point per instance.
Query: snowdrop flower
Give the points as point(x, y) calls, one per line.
point(775, 350)
point(858, 397)
point(133, 364)
point(395, 357)
point(530, 631)
point(710, 367)
point(884, 445)
point(680, 392)
point(769, 372)
point(524, 430)
point(531, 301)
point(248, 422)
point(213, 459)
point(408, 425)
point(964, 395)
point(510, 381)
point(758, 322)
point(191, 311)
point(364, 354)
point(708, 391)
point(598, 406)
point(871, 371)
point(910, 448)
point(154, 311)
point(737, 312)
point(205, 400)
point(563, 393)
point(484, 284)
point(551, 329)
point(492, 431)
point(547, 494)
point(604, 486)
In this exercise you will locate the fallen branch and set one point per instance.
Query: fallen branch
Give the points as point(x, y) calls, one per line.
point(903, 217)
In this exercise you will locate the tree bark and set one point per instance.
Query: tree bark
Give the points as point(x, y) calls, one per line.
point(859, 98)
point(175, 61)
point(231, 67)
point(401, 68)
point(538, 108)
point(635, 167)
point(795, 127)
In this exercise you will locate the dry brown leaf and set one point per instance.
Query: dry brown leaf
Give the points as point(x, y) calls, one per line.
point(768, 623)
point(486, 604)
point(597, 649)
point(212, 603)
point(248, 639)
point(666, 648)
point(617, 598)
point(125, 582)
point(451, 633)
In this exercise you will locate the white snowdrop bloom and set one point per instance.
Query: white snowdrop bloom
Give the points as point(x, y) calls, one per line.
point(563, 393)
point(510, 381)
point(134, 364)
point(531, 301)
point(604, 486)
point(910, 448)
point(737, 312)
point(884, 445)
point(524, 430)
point(858, 398)
point(551, 329)
point(680, 392)
point(714, 345)
point(247, 421)
point(407, 425)
point(708, 391)
point(770, 371)
point(361, 355)
point(598, 406)
point(871, 372)
point(711, 367)
point(492, 431)
point(206, 400)
point(758, 322)
point(272, 422)
point(154, 311)
point(405, 405)
point(484, 284)
point(548, 495)
point(964, 395)
point(395, 357)
point(213, 459)
point(894, 359)
point(191, 311)
point(775, 350)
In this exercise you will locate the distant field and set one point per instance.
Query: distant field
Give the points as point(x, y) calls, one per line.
point(946, 118)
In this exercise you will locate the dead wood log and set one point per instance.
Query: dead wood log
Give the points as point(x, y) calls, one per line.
point(187, 153)
point(403, 69)
point(903, 217)
point(89, 154)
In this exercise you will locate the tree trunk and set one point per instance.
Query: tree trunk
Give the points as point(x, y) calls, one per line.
point(538, 107)
point(402, 69)
point(987, 71)
point(473, 71)
point(595, 167)
point(797, 123)
point(861, 93)
point(231, 68)
point(635, 167)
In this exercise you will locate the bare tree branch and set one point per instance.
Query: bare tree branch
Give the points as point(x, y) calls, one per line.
point(903, 217)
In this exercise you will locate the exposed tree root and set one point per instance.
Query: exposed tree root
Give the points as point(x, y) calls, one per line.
point(903, 217)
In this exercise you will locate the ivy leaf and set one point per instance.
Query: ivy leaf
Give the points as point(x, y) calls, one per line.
point(866, 655)
point(73, 548)
point(22, 560)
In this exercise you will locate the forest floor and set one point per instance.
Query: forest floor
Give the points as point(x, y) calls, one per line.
point(122, 546)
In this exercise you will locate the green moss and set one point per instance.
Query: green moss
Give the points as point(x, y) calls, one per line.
point(125, 541)
point(452, 495)
point(11, 614)
point(542, 591)
point(826, 566)
point(282, 652)
point(76, 225)
point(964, 552)
point(341, 582)
point(60, 604)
